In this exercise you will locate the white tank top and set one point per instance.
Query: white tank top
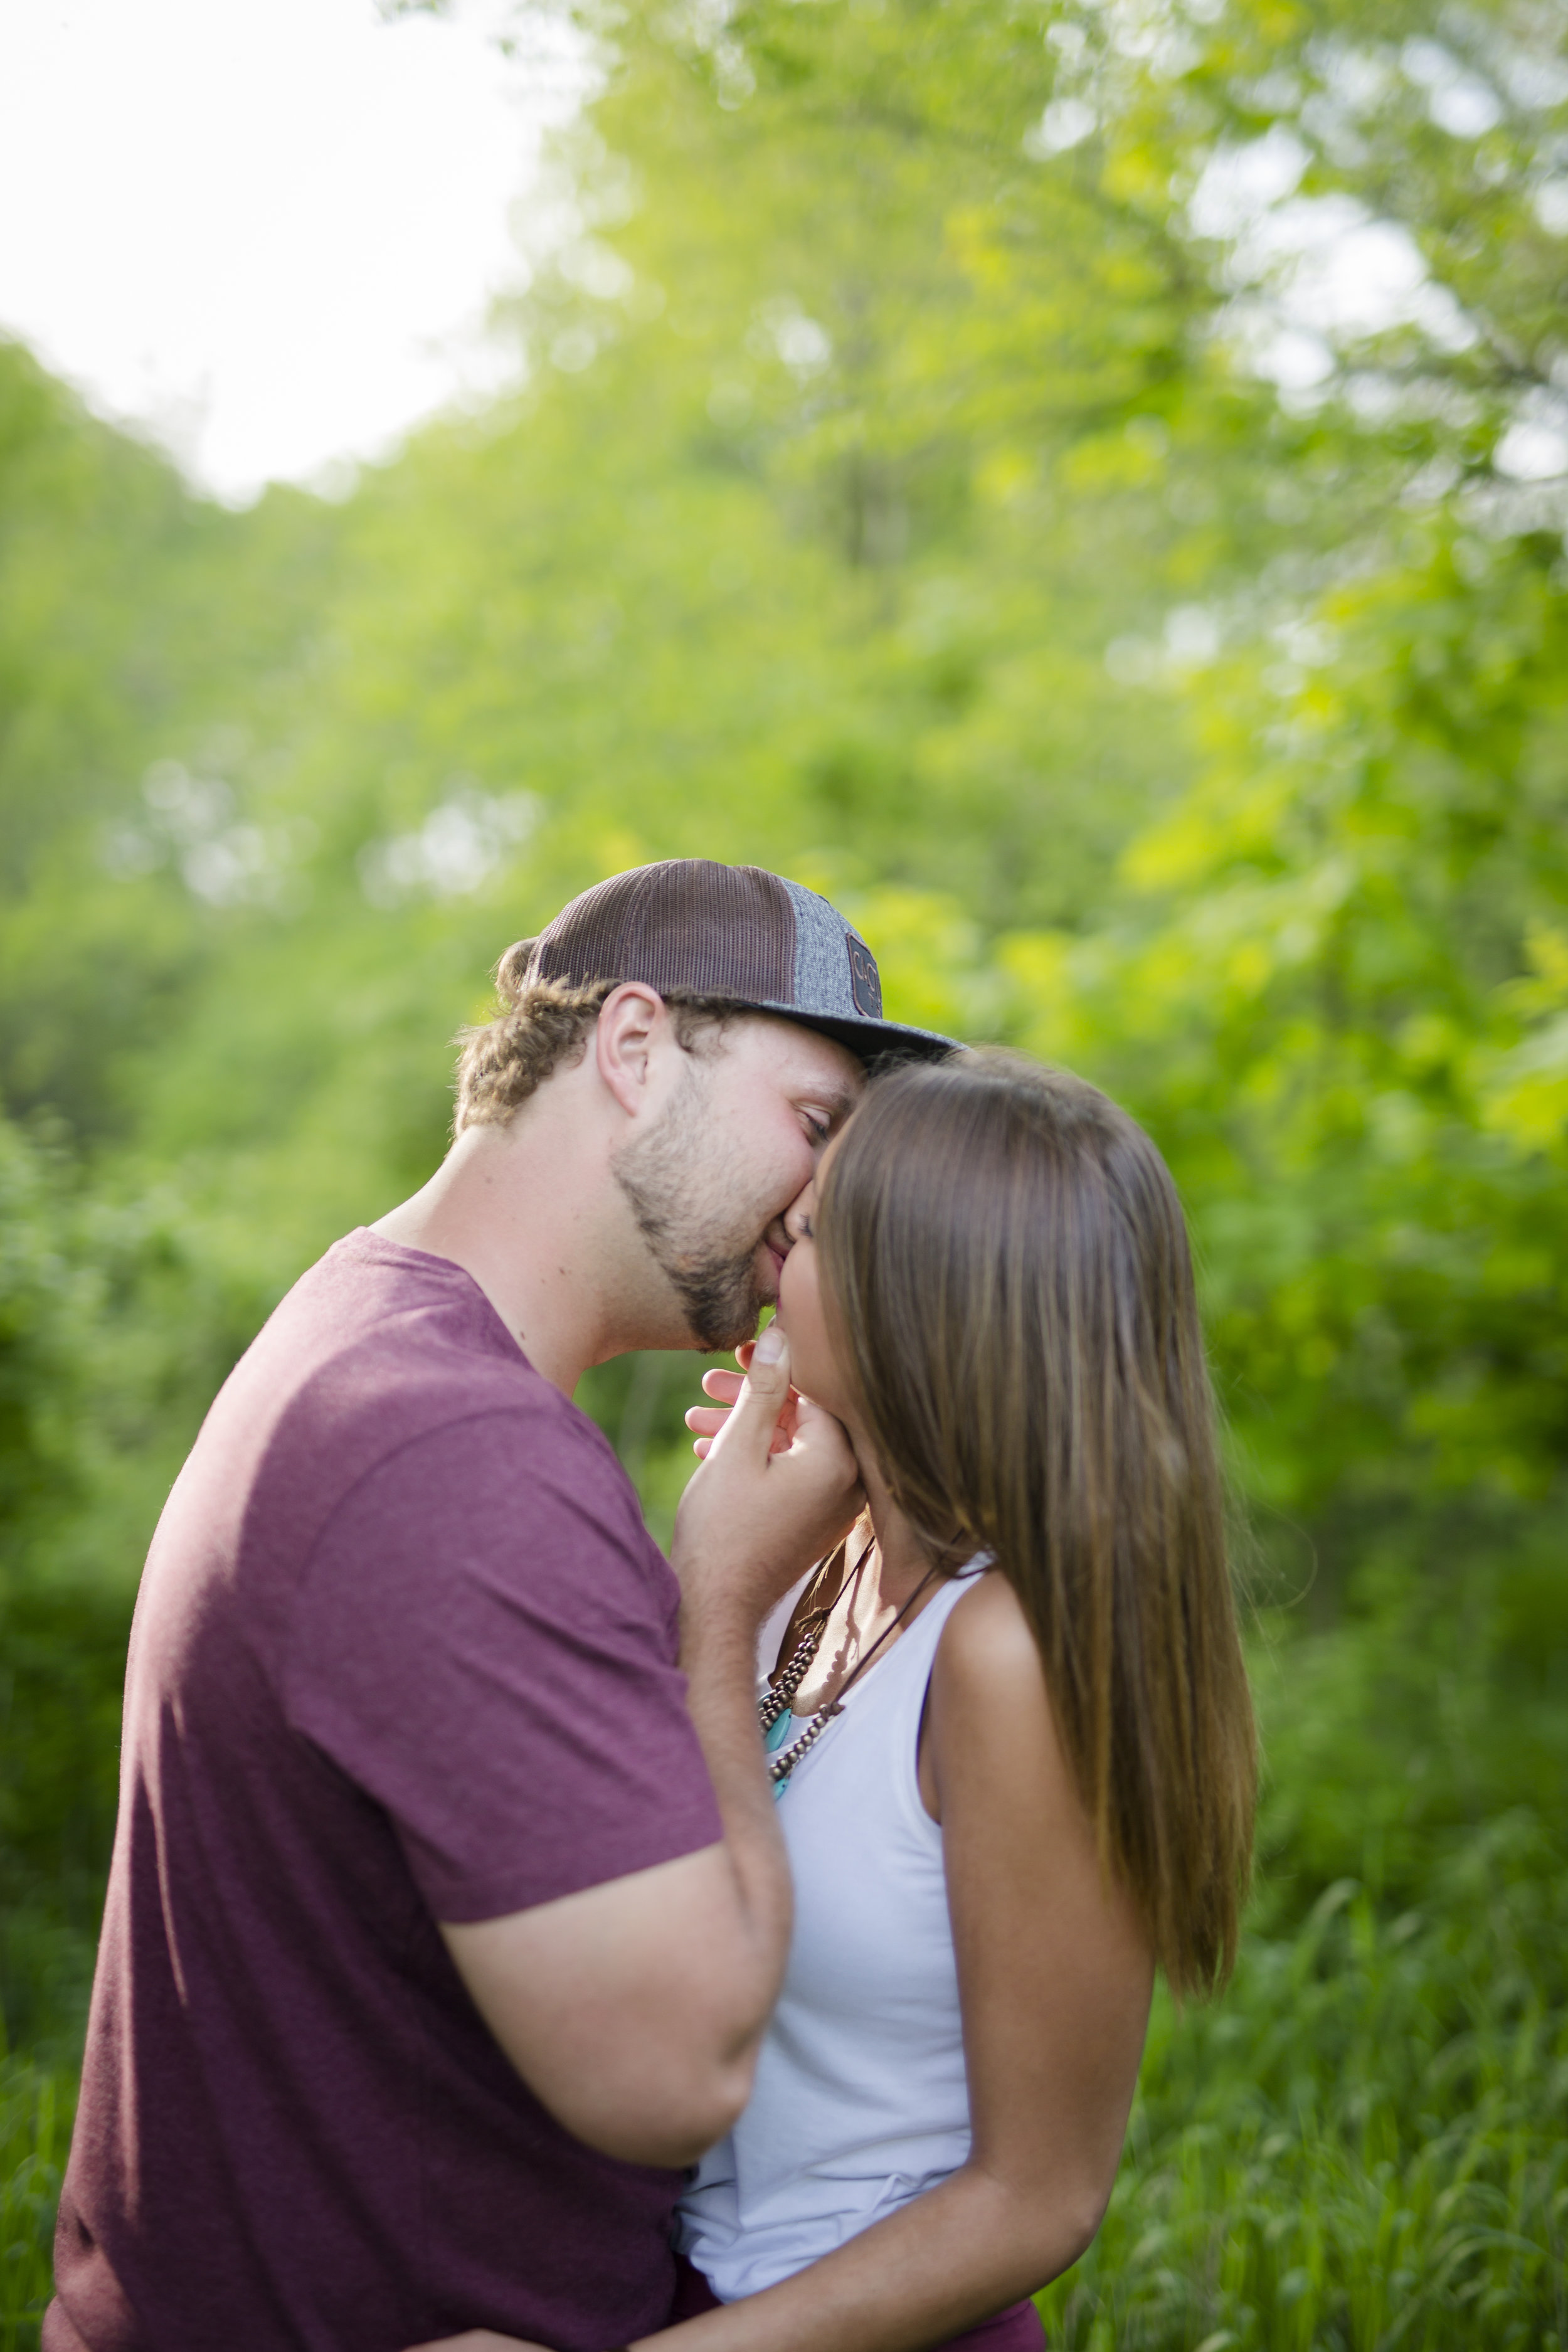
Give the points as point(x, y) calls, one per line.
point(860, 2100)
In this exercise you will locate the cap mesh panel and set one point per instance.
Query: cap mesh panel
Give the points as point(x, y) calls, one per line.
point(725, 931)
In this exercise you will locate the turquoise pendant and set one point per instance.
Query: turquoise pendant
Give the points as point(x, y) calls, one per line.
point(777, 1732)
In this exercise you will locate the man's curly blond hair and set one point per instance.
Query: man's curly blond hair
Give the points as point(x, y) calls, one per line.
point(544, 1025)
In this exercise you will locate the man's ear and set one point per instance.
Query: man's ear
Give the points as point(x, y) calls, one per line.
point(630, 1020)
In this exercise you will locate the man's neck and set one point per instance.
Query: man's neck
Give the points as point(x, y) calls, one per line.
point(512, 1208)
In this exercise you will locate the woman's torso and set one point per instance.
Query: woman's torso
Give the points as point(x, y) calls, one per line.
point(860, 2100)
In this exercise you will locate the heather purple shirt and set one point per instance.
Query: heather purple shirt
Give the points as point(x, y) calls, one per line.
point(402, 1653)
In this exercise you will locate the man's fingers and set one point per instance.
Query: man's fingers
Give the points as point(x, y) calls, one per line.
point(725, 1386)
point(750, 1425)
point(778, 1485)
point(478, 2339)
point(704, 1446)
point(707, 1419)
point(767, 1390)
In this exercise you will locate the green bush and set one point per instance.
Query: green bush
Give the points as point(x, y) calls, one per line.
point(1365, 2143)
point(36, 2107)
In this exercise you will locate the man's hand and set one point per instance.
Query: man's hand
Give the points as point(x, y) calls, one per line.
point(777, 1487)
point(705, 1421)
point(479, 2339)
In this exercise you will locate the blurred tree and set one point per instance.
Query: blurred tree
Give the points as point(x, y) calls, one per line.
point(112, 1339)
point(1337, 989)
point(1342, 1008)
point(132, 615)
point(1076, 482)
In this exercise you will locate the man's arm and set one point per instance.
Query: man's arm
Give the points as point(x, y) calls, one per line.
point(633, 2010)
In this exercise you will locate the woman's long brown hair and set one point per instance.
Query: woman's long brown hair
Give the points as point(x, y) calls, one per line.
point(1008, 1261)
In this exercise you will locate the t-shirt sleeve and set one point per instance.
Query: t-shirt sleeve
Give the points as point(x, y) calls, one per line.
point(483, 1641)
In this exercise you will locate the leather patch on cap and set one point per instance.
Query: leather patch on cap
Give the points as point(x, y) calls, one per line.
point(865, 980)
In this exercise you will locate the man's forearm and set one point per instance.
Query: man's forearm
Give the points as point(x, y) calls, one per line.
point(751, 1522)
point(719, 1654)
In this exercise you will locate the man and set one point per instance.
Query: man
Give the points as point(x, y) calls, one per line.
point(444, 1915)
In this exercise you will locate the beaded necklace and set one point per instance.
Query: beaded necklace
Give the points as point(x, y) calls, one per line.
point(774, 1707)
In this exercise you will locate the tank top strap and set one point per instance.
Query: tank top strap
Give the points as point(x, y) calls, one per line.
point(908, 1665)
point(946, 1598)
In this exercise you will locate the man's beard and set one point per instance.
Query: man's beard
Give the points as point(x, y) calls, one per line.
point(682, 1206)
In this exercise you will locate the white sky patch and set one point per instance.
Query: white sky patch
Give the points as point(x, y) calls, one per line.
point(1535, 446)
point(1312, 273)
point(466, 838)
point(1551, 207)
point(1346, 274)
point(1239, 185)
point(1065, 123)
point(1458, 101)
point(268, 230)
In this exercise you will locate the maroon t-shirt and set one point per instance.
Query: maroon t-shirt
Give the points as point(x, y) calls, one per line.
point(402, 1653)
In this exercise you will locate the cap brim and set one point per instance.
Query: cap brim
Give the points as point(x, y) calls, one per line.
point(870, 1039)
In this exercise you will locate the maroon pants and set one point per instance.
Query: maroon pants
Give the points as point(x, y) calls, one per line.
point(1018, 2330)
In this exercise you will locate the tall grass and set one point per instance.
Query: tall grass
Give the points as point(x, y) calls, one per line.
point(1363, 2148)
point(1366, 2144)
point(36, 2105)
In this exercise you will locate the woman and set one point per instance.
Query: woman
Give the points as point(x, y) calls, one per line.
point(1010, 1725)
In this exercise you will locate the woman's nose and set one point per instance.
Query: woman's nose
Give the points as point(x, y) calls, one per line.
point(798, 1216)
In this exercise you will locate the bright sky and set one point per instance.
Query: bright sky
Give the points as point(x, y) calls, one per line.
point(267, 230)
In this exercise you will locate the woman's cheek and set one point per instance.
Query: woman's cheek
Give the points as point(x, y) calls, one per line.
point(811, 1365)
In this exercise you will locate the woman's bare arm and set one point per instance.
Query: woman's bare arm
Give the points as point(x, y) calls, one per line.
point(1055, 1978)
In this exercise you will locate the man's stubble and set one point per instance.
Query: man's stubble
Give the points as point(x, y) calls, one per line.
point(684, 1210)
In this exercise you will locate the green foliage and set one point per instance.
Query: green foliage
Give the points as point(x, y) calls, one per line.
point(1341, 1007)
point(131, 615)
point(115, 1330)
point(36, 2105)
point(113, 1335)
point(1368, 2144)
point(937, 473)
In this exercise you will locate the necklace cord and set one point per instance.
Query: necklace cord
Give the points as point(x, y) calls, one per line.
point(776, 1701)
point(886, 1634)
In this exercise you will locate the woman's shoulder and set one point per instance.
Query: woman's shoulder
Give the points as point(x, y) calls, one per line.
point(989, 1720)
point(987, 1642)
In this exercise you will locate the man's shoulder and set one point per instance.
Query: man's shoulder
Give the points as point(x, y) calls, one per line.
point(455, 1434)
point(378, 1351)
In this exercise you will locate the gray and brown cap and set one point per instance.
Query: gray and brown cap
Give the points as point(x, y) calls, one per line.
point(734, 931)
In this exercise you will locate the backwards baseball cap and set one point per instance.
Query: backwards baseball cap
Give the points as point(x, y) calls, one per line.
point(734, 931)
